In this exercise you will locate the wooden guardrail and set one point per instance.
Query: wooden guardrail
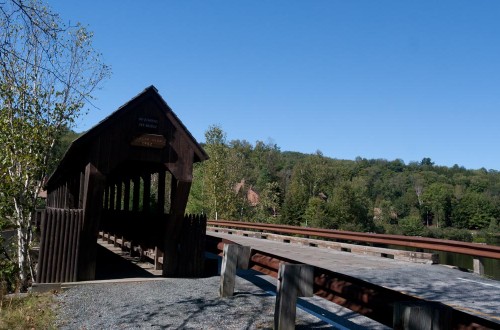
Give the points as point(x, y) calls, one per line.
point(403, 255)
point(472, 249)
point(373, 301)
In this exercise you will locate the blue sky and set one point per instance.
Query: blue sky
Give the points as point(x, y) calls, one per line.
point(376, 79)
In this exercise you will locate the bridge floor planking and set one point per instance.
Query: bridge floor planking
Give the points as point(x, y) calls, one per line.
point(462, 290)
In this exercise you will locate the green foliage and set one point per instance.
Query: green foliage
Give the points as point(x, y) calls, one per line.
point(437, 200)
point(219, 176)
point(317, 214)
point(474, 211)
point(48, 72)
point(67, 136)
point(455, 234)
point(412, 226)
point(349, 209)
point(8, 269)
point(490, 235)
point(364, 195)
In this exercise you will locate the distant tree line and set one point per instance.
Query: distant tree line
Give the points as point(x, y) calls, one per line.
point(259, 183)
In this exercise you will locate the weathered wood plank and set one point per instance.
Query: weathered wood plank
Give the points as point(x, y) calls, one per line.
point(293, 281)
point(234, 256)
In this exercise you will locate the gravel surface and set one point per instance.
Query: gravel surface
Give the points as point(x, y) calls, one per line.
point(190, 304)
point(170, 304)
point(179, 303)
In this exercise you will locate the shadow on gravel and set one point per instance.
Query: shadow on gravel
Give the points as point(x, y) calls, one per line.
point(112, 266)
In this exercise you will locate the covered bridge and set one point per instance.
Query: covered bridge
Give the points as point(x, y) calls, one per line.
point(131, 175)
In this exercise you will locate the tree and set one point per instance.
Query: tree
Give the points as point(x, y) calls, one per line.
point(218, 177)
point(47, 72)
point(269, 201)
point(437, 199)
point(474, 211)
point(412, 226)
point(316, 214)
point(349, 209)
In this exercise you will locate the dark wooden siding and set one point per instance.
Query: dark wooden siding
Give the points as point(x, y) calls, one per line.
point(60, 231)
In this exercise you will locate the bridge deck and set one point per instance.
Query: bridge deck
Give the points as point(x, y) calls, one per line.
point(462, 290)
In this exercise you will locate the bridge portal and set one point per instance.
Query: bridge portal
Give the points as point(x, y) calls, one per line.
point(130, 174)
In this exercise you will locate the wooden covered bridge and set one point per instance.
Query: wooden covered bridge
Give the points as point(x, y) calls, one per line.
point(129, 175)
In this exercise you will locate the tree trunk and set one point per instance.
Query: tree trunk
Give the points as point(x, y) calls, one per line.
point(23, 263)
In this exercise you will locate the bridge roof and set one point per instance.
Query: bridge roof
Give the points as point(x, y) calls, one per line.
point(143, 129)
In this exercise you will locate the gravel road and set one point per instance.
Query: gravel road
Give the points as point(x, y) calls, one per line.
point(186, 304)
point(169, 304)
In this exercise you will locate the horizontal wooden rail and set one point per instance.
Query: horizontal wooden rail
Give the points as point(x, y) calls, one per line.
point(472, 249)
point(403, 255)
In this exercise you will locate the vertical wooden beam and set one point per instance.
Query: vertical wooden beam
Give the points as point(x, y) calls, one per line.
point(71, 192)
point(92, 205)
point(146, 197)
point(234, 256)
point(180, 194)
point(161, 191)
point(158, 255)
point(478, 265)
point(82, 186)
point(126, 195)
point(61, 250)
point(137, 191)
point(67, 249)
point(112, 194)
point(53, 264)
point(75, 246)
point(106, 198)
point(426, 315)
point(51, 226)
point(293, 281)
point(119, 186)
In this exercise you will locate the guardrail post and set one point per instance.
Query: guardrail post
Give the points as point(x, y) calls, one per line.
point(423, 315)
point(293, 281)
point(478, 265)
point(234, 256)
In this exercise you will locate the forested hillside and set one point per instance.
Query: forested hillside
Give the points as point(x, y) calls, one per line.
point(258, 182)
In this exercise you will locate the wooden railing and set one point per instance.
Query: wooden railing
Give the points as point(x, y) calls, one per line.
point(472, 249)
point(373, 301)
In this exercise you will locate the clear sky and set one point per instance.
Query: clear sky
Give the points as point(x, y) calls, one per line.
point(376, 79)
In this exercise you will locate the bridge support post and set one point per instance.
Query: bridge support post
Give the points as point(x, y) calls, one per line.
point(293, 281)
point(92, 202)
point(180, 194)
point(424, 315)
point(234, 256)
point(478, 265)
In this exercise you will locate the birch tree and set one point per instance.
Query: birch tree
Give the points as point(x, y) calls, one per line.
point(48, 71)
point(219, 177)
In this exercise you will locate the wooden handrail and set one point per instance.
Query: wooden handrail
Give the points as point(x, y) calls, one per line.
point(472, 249)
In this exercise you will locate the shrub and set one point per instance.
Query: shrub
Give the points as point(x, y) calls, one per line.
point(412, 226)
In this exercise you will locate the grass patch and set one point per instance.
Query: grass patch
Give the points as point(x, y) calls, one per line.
point(34, 311)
